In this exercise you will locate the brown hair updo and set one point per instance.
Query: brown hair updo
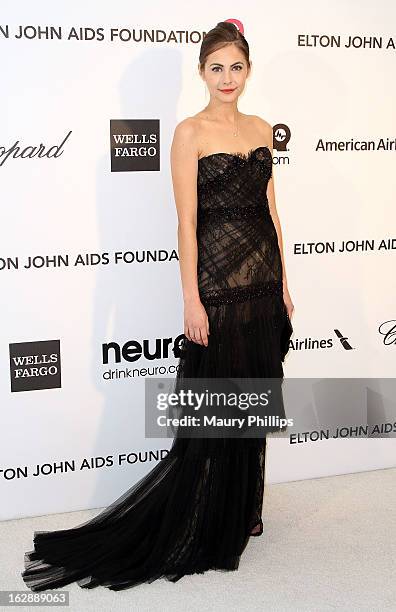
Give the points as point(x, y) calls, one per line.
point(224, 33)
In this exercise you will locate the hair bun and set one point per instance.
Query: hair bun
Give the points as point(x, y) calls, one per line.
point(224, 33)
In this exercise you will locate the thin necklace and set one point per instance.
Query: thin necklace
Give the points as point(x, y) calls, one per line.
point(235, 132)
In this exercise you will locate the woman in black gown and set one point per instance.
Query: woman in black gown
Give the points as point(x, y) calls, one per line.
point(196, 509)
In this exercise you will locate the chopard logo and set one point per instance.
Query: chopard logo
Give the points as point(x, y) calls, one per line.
point(388, 331)
point(30, 151)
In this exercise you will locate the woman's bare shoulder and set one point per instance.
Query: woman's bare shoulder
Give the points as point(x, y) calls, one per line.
point(189, 133)
point(184, 147)
point(186, 132)
point(187, 127)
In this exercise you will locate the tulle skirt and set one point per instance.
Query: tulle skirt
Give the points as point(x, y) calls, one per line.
point(195, 510)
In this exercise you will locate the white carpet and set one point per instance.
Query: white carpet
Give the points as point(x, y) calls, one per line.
point(328, 544)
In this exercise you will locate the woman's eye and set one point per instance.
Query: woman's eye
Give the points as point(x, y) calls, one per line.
point(219, 67)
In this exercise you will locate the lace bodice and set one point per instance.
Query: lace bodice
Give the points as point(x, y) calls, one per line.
point(238, 252)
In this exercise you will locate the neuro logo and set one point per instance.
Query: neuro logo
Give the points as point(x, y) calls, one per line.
point(133, 350)
point(281, 135)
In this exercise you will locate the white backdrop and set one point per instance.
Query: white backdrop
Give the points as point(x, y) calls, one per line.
point(321, 91)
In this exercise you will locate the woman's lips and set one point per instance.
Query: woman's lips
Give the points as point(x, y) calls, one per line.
point(227, 90)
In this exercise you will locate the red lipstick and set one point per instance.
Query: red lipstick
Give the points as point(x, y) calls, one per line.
point(227, 90)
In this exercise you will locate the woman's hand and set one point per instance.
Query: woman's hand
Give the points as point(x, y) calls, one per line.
point(196, 323)
point(287, 300)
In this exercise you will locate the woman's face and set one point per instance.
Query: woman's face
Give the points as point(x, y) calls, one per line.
point(225, 69)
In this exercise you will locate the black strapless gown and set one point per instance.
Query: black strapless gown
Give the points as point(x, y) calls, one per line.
point(195, 510)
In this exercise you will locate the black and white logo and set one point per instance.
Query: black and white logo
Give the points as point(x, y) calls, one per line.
point(135, 145)
point(35, 365)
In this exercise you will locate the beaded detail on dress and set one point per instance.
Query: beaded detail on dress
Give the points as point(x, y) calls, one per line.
point(239, 257)
point(240, 294)
point(233, 212)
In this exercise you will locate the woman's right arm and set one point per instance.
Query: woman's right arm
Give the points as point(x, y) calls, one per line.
point(184, 168)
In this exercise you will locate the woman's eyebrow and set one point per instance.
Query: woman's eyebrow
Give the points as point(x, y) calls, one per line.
point(218, 64)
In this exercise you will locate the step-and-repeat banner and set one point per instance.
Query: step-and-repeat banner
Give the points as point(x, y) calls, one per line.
point(91, 302)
